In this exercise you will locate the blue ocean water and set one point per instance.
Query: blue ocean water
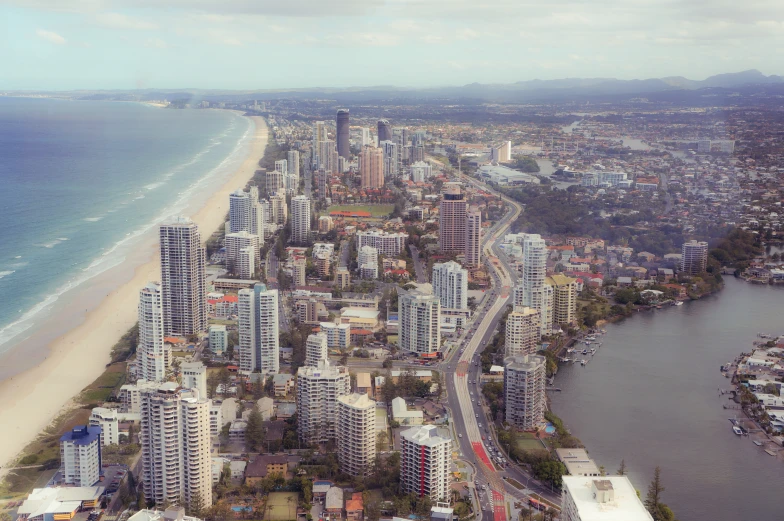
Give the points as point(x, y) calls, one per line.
point(81, 181)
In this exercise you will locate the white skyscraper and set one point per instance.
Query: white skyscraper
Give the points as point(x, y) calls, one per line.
point(293, 167)
point(450, 285)
point(316, 349)
point(318, 390)
point(364, 137)
point(150, 356)
point(420, 172)
point(175, 440)
point(183, 277)
point(356, 434)
point(240, 206)
point(235, 262)
point(420, 323)
point(259, 347)
point(109, 423)
point(473, 254)
point(532, 290)
point(278, 208)
point(80, 456)
point(300, 220)
point(523, 331)
point(425, 458)
point(391, 156)
point(282, 166)
point(524, 390)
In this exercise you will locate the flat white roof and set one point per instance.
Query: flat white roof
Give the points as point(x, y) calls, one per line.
point(625, 506)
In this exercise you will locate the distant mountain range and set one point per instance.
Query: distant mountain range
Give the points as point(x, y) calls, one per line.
point(522, 91)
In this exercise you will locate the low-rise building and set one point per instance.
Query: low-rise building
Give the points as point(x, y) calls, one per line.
point(607, 498)
point(577, 462)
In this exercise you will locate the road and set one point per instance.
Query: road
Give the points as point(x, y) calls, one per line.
point(462, 374)
point(419, 268)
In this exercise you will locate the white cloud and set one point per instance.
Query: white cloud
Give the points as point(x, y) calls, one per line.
point(467, 34)
point(51, 37)
point(156, 43)
point(123, 21)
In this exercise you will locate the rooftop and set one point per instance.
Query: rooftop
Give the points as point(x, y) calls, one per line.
point(622, 505)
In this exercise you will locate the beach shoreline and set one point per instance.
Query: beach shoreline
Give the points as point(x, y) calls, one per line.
point(32, 399)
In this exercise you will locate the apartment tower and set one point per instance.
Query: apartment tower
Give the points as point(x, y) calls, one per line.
point(300, 220)
point(523, 331)
point(150, 349)
point(371, 167)
point(316, 349)
point(694, 257)
point(524, 390)
point(453, 217)
point(450, 285)
point(425, 458)
point(318, 390)
point(356, 434)
point(183, 278)
point(473, 254)
point(259, 348)
point(420, 321)
point(344, 149)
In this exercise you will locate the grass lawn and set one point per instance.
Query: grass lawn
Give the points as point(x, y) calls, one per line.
point(102, 387)
point(528, 441)
point(516, 484)
point(281, 506)
point(376, 210)
point(603, 306)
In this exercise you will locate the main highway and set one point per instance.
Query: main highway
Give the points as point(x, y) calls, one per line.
point(462, 371)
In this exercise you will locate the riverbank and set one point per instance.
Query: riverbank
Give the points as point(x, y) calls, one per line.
point(31, 400)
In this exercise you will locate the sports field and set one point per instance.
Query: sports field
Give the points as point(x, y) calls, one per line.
point(375, 210)
point(281, 506)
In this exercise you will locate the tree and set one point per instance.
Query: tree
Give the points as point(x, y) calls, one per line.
point(653, 499)
point(255, 434)
point(622, 469)
point(195, 507)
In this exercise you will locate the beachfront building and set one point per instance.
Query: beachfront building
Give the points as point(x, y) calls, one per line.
point(450, 284)
point(338, 335)
point(318, 390)
point(240, 204)
point(425, 458)
point(356, 434)
point(183, 278)
point(316, 349)
point(175, 440)
point(150, 349)
point(473, 255)
point(80, 456)
point(523, 332)
point(694, 257)
point(420, 323)
point(243, 254)
point(259, 347)
point(300, 220)
point(107, 420)
point(601, 498)
point(453, 217)
point(524, 390)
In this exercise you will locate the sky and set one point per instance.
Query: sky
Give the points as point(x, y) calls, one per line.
point(278, 44)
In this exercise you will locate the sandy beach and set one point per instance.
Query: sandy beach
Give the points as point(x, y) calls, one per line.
point(31, 400)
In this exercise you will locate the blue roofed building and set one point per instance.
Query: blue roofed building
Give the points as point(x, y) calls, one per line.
point(80, 456)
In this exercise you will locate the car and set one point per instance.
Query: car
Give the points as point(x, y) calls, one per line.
point(476, 415)
point(459, 435)
point(480, 425)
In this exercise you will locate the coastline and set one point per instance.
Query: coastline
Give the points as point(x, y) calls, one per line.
point(30, 400)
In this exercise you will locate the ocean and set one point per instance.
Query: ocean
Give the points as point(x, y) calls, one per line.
point(85, 183)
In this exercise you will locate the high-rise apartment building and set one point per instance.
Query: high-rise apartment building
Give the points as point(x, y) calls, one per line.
point(694, 257)
point(80, 456)
point(322, 182)
point(183, 278)
point(318, 390)
point(420, 171)
point(219, 339)
point(109, 423)
point(275, 180)
point(356, 438)
point(564, 291)
point(300, 220)
point(282, 166)
point(420, 323)
point(453, 217)
point(344, 148)
point(450, 285)
point(175, 440)
point(388, 244)
point(298, 271)
point(238, 264)
point(391, 159)
point(532, 290)
point(425, 458)
point(384, 131)
point(239, 211)
point(342, 278)
point(150, 354)
point(371, 167)
point(523, 331)
point(292, 156)
point(364, 137)
point(319, 136)
point(338, 335)
point(473, 254)
point(524, 390)
point(278, 208)
point(259, 348)
point(316, 349)
point(194, 376)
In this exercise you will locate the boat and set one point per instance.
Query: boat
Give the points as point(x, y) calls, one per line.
point(593, 351)
point(591, 338)
point(679, 303)
point(585, 351)
point(758, 443)
point(737, 430)
point(583, 362)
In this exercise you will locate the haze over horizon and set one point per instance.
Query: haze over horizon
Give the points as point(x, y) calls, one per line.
point(242, 44)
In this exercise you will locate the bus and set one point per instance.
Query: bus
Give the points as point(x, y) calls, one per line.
point(538, 505)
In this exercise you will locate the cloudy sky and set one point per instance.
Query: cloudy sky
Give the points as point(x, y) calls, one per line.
point(258, 44)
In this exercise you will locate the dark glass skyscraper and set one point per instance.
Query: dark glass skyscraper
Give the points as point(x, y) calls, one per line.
point(384, 131)
point(344, 150)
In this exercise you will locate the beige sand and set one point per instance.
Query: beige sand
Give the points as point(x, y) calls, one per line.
point(31, 400)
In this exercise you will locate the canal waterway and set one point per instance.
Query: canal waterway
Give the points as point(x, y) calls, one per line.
point(650, 396)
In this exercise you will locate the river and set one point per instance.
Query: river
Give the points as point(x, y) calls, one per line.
point(650, 396)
